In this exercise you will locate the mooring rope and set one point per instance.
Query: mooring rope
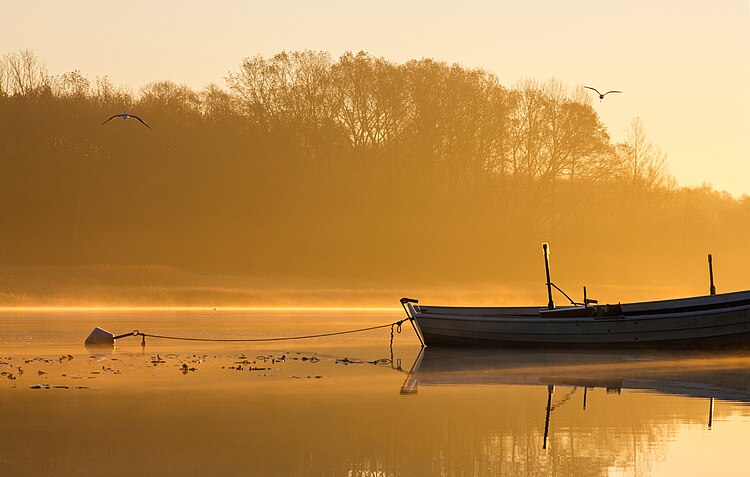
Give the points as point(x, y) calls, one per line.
point(396, 324)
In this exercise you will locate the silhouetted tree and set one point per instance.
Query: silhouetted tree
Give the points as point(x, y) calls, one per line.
point(646, 164)
point(305, 165)
point(23, 73)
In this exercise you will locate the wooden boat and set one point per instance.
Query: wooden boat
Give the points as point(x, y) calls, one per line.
point(711, 320)
point(702, 321)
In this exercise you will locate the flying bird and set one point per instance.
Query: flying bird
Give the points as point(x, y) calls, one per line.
point(601, 96)
point(126, 116)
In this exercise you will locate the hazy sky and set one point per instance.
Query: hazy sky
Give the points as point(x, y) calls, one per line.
point(684, 65)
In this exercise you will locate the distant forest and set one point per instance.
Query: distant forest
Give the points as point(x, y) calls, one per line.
point(356, 169)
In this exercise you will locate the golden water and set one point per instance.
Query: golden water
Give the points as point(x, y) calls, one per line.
point(298, 408)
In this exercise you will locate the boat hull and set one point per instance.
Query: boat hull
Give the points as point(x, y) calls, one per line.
point(714, 320)
point(736, 340)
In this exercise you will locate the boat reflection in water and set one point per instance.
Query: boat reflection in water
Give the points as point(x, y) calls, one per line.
point(724, 377)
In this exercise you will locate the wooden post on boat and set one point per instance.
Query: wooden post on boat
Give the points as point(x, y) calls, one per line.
point(711, 274)
point(550, 304)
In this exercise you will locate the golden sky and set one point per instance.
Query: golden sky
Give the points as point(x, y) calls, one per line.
point(684, 65)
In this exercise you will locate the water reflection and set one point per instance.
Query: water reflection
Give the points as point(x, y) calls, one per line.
point(570, 377)
point(334, 407)
point(724, 376)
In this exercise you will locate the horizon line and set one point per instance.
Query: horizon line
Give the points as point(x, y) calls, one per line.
point(195, 308)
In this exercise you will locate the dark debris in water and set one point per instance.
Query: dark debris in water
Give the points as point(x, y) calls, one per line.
point(247, 368)
point(185, 369)
point(7, 375)
point(273, 359)
point(56, 386)
point(106, 366)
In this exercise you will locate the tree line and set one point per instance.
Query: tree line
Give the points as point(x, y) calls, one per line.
point(355, 167)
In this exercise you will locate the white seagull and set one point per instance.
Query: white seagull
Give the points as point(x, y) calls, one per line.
point(126, 116)
point(601, 96)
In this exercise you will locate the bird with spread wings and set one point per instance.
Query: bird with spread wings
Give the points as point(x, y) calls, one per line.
point(601, 95)
point(126, 116)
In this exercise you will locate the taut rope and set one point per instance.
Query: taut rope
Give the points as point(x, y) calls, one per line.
point(396, 324)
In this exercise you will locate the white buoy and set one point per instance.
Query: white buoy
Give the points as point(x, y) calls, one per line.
point(100, 337)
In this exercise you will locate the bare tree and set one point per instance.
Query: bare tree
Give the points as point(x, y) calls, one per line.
point(3, 78)
point(72, 84)
point(24, 73)
point(216, 102)
point(370, 100)
point(529, 131)
point(170, 96)
point(646, 164)
point(288, 87)
point(108, 94)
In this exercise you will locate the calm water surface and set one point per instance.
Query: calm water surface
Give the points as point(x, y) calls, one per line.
point(341, 406)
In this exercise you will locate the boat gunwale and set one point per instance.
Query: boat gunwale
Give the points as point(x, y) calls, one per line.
point(702, 305)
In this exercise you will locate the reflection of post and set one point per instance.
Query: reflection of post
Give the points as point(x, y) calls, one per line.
point(410, 383)
point(550, 390)
point(585, 393)
point(711, 414)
